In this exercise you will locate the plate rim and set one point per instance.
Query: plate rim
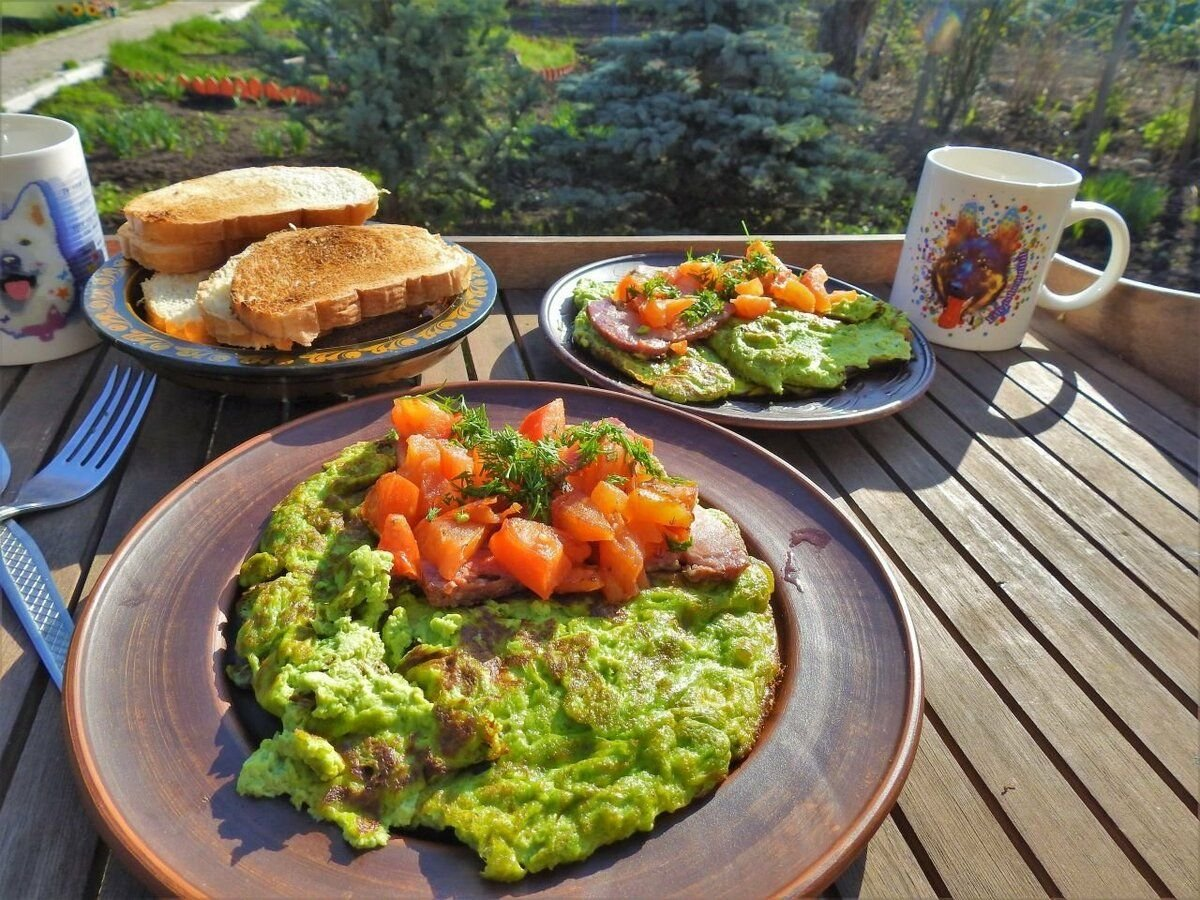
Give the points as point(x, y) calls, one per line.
point(123, 269)
point(922, 353)
point(823, 870)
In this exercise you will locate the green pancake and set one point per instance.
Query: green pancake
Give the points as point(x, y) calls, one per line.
point(535, 731)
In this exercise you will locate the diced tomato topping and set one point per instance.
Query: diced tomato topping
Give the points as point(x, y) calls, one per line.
point(627, 287)
point(842, 297)
point(746, 306)
point(455, 461)
point(678, 347)
point(814, 279)
point(794, 293)
point(574, 513)
point(581, 579)
point(392, 494)
point(447, 543)
point(396, 537)
point(654, 313)
point(609, 498)
point(622, 566)
point(687, 282)
point(420, 415)
point(660, 503)
point(753, 286)
point(532, 552)
point(575, 550)
point(479, 511)
point(546, 421)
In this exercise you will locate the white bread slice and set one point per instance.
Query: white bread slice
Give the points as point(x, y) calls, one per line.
point(297, 285)
point(169, 302)
point(214, 302)
point(177, 259)
point(247, 204)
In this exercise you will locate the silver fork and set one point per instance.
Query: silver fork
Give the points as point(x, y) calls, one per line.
point(92, 451)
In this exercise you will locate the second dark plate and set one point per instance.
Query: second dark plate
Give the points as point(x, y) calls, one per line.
point(868, 396)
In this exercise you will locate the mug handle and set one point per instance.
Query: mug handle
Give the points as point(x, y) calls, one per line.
point(1117, 258)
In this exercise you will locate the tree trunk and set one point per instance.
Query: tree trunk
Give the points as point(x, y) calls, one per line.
point(842, 27)
point(875, 67)
point(1087, 143)
point(928, 68)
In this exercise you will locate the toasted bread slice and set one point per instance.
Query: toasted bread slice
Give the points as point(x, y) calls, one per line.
point(177, 259)
point(247, 204)
point(169, 302)
point(214, 302)
point(297, 285)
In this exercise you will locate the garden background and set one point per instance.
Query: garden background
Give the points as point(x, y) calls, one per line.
point(675, 116)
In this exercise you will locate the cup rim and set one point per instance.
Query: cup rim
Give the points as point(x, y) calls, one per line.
point(68, 133)
point(1067, 177)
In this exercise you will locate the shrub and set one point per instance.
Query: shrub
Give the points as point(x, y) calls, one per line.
point(1164, 134)
point(435, 116)
point(716, 115)
point(1140, 201)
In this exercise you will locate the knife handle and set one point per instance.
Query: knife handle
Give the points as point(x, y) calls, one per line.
point(25, 578)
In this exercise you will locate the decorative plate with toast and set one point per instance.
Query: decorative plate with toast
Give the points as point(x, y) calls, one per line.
point(376, 351)
point(269, 282)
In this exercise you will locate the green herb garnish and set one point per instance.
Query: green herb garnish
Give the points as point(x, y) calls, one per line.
point(708, 303)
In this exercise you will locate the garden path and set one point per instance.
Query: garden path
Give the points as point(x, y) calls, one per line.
point(24, 69)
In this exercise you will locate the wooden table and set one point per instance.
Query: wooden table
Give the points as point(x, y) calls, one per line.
point(1039, 507)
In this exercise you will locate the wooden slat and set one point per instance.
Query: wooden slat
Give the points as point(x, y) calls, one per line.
point(54, 858)
point(888, 870)
point(1001, 510)
point(1166, 520)
point(534, 263)
point(544, 362)
point(1118, 438)
point(451, 367)
point(117, 884)
point(968, 681)
point(1154, 328)
point(960, 834)
point(495, 354)
point(1095, 517)
point(1142, 387)
point(1170, 436)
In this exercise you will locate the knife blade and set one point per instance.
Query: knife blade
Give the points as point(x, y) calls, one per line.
point(25, 578)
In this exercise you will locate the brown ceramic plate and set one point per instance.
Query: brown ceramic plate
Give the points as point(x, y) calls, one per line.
point(157, 738)
point(870, 395)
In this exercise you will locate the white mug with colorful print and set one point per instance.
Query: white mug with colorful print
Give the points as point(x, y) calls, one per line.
point(984, 228)
point(50, 240)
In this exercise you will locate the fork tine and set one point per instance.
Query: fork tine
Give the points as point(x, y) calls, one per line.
point(100, 410)
point(125, 424)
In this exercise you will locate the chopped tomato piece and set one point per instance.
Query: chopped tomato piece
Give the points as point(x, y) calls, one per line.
point(658, 502)
point(649, 537)
point(420, 415)
point(609, 498)
point(627, 287)
point(575, 514)
point(581, 579)
point(532, 552)
point(392, 494)
point(654, 313)
point(753, 286)
point(622, 566)
point(479, 511)
point(545, 421)
point(814, 279)
point(396, 537)
point(793, 292)
point(747, 306)
point(678, 347)
point(575, 550)
point(447, 543)
point(423, 467)
point(455, 461)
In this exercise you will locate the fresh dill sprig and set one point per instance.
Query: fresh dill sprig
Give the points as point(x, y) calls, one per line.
point(519, 469)
point(593, 438)
point(707, 304)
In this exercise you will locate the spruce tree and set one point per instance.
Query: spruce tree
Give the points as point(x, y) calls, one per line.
point(715, 115)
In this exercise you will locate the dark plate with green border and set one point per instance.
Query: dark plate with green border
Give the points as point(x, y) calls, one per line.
point(371, 354)
point(869, 395)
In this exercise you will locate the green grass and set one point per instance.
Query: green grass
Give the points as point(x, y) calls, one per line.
point(183, 48)
point(541, 53)
point(74, 101)
point(110, 199)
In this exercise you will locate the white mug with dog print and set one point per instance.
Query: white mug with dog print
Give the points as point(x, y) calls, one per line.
point(50, 240)
point(984, 228)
